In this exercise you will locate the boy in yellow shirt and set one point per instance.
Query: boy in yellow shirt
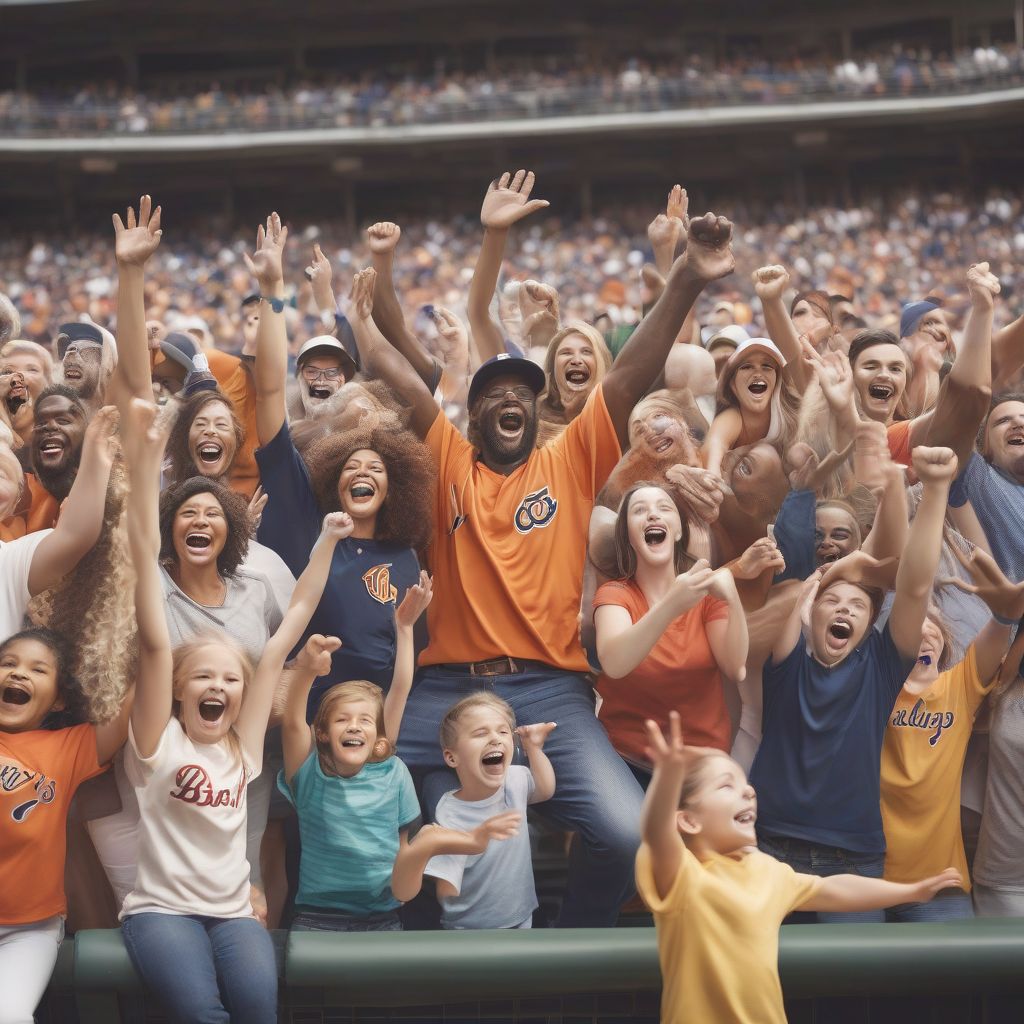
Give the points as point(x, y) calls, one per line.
point(714, 894)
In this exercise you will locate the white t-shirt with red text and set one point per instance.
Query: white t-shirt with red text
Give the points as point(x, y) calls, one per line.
point(192, 828)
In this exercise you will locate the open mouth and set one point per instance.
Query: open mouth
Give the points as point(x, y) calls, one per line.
point(838, 634)
point(51, 449)
point(828, 556)
point(655, 535)
point(577, 376)
point(494, 759)
point(353, 742)
point(1017, 440)
point(72, 373)
point(747, 817)
point(662, 445)
point(757, 387)
point(209, 452)
point(881, 392)
point(511, 421)
point(361, 491)
point(319, 392)
point(211, 710)
point(13, 694)
point(198, 541)
point(16, 399)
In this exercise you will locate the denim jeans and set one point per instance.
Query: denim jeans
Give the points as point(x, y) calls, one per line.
point(948, 905)
point(816, 859)
point(334, 921)
point(205, 970)
point(596, 795)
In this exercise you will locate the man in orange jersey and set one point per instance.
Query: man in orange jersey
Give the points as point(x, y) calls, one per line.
point(507, 554)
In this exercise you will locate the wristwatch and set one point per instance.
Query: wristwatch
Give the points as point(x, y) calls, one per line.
point(277, 305)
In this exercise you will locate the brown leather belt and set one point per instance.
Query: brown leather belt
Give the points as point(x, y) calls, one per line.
point(495, 667)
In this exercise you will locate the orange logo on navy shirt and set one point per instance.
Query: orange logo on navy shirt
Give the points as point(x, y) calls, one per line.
point(535, 511)
point(378, 583)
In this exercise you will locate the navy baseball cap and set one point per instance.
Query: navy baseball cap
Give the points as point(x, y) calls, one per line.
point(76, 331)
point(503, 365)
point(184, 350)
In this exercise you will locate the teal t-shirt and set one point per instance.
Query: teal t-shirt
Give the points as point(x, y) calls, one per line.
point(349, 831)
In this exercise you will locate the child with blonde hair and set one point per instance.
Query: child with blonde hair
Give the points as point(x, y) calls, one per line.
point(713, 893)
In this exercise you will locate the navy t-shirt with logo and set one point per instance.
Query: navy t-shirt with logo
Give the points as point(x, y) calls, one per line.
point(817, 771)
point(367, 576)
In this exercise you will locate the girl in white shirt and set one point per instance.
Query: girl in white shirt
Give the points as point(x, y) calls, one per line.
point(195, 742)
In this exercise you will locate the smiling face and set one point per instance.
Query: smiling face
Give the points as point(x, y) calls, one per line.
point(835, 534)
point(210, 685)
point(363, 485)
point(321, 375)
point(28, 685)
point(81, 367)
point(212, 440)
point(31, 368)
point(482, 750)
point(575, 369)
point(840, 619)
point(754, 381)
point(199, 531)
point(57, 436)
point(1004, 438)
point(880, 377)
point(722, 812)
point(505, 419)
point(653, 526)
point(655, 431)
point(350, 734)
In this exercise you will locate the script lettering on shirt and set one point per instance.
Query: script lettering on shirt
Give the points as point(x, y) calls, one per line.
point(918, 717)
point(535, 511)
point(14, 777)
point(193, 786)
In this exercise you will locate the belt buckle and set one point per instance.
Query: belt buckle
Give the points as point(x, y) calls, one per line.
point(494, 667)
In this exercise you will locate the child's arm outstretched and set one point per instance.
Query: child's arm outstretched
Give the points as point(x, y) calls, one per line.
point(842, 893)
point(252, 719)
point(533, 737)
point(433, 841)
point(413, 605)
point(658, 817)
point(313, 660)
point(143, 444)
point(723, 434)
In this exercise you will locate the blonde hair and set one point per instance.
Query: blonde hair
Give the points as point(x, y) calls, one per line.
point(550, 400)
point(348, 693)
point(480, 699)
point(22, 346)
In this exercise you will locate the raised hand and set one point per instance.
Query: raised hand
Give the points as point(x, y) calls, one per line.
point(1003, 598)
point(690, 586)
point(666, 754)
point(872, 462)
point(315, 656)
point(537, 301)
point(770, 282)
point(663, 232)
point(415, 602)
point(834, 374)
point(501, 826)
point(101, 436)
point(982, 285)
point(452, 336)
point(257, 503)
point(383, 237)
point(762, 555)
point(928, 888)
point(807, 596)
point(135, 241)
point(533, 736)
point(807, 472)
point(860, 567)
point(700, 490)
point(265, 264)
point(708, 254)
point(677, 207)
point(361, 297)
point(508, 200)
point(319, 273)
point(934, 465)
point(337, 526)
point(144, 435)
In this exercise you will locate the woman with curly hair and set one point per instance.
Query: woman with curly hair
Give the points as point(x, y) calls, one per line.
point(205, 439)
point(382, 477)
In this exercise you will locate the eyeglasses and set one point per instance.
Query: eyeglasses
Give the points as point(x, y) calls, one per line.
point(311, 373)
point(83, 349)
point(522, 392)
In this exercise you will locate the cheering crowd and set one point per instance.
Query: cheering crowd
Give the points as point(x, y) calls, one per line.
point(729, 594)
point(549, 88)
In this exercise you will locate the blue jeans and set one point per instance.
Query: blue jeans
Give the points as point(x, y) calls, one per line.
point(948, 905)
point(205, 970)
point(596, 795)
point(816, 859)
point(335, 921)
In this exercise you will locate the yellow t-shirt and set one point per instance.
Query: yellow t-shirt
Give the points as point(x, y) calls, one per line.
point(922, 762)
point(507, 553)
point(718, 935)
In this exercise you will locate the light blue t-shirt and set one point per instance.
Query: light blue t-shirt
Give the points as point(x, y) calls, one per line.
point(495, 888)
point(349, 831)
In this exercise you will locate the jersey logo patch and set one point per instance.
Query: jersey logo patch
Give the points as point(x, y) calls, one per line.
point(535, 511)
point(14, 776)
point(378, 583)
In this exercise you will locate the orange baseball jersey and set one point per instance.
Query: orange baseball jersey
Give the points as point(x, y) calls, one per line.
point(507, 553)
point(236, 382)
point(39, 773)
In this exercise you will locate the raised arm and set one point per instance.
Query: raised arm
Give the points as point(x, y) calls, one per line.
point(841, 893)
point(792, 629)
point(383, 360)
point(413, 605)
point(708, 256)
point(659, 827)
point(965, 393)
point(532, 738)
point(667, 228)
point(313, 660)
point(387, 310)
point(874, 468)
point(507, 200)
point(935, 468)
point(134, 242)
point(834, 375)
point(143, 442)
point(769, 284)
point(81, 516)
point(271, 369)
point(252, 719)
point(728, 638)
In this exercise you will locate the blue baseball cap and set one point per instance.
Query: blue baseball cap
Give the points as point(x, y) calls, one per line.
point(503, 365)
